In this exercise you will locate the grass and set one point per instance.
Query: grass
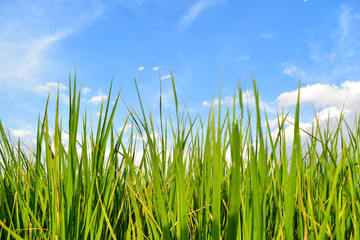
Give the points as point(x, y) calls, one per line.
point(186, 189)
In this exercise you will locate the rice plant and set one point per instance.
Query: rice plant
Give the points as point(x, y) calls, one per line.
point(184, 186)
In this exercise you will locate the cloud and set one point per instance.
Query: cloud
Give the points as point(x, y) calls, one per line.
point(273, 123)
point(289, 133)
point(348, 32)
point(132, 5)
point(290, 69)
point(27, 57)
point(31, 32)
point(326, 118)
point(156, 68)
point(195, 10)
point(85, 90)
point(346, 95)
point(248, 98)
point(49, 87)
point(19, 133)
point(334, 101)
point(165, 77)
point(228, 100)
point(267, 36)
point(53, 87)
point(206, 103)
point(125, 128)
point(95, 100)
point(334, 57)
point(144, 137)
point(141, 68)
point(332, 112)
point(242, 58)
point(167, 98)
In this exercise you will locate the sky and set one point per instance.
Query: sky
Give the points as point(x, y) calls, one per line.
point(202, 42)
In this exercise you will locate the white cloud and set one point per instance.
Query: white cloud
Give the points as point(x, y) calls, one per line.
point(242, 58)
point(144, 137)
point(49, 86)
point(347, 95)
point(333, 101)
point(165, 77)
point(295, 71)
point(332, 112)
point(273, 123)
point(141, 68)
point(53, 87)
point(267, 36)
point(195, 10)
point(85, 90)
point(19, 133)
point(156, 68)
point(98, 99)
point(132, 5)
point(328, 117)
point(125, 128)
point(247, 98)
point(289, 133)
point(348, 31)
point(335, 57)
point(30, 33)
point(28, 57)
point(290, 69)
point(167, 98)
point(206, 103)
point(228, 100)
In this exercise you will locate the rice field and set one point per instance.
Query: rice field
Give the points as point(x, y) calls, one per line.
point(183, 186)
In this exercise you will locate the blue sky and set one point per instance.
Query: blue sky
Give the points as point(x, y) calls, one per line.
point(202, 41)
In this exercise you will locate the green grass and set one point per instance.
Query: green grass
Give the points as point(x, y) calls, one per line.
point(186, 189)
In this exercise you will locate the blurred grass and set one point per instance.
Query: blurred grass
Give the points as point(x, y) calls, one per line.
point(184, 190)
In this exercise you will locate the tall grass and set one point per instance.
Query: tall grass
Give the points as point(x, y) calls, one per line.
point(185, 189)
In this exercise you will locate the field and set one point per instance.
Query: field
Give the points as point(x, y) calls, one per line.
point(184, 186)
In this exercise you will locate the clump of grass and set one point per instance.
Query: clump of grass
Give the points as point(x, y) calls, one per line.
point(186, 189)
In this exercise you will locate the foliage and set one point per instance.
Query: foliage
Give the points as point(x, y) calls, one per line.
point(183, 189)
